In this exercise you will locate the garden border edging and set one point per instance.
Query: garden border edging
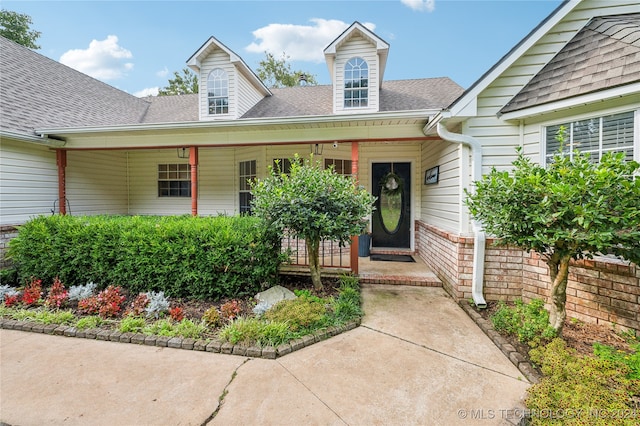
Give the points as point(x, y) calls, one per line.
point(204, 345)
point(508, 349)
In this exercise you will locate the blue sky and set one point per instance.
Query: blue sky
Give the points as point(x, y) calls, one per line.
point(137, 45)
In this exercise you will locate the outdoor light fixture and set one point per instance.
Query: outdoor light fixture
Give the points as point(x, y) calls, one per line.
point(183, 152)
point(316, 149)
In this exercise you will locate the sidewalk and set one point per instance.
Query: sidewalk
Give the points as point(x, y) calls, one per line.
point(416, 359)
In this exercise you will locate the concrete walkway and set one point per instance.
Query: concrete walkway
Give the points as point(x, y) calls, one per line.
point(417, 359)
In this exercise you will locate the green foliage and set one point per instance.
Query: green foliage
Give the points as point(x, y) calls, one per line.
point(132, 324)
point(200, 257)
point(528, 321)
point(181, 84)
point(185, 328)
point(585, 385)
point(9, 276)
point(92, 321)
point(256, 331)
point(44, 316)
point(630, 359)
point(349, 280)
point(212, 317)
point(17, 27)
point(313, 204)
point(300, 314)
point(277, 72)
point(572, 207)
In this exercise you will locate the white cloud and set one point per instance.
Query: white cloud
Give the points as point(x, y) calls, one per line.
point(420, 5)
point(104, 59)
point(150, 91)
point(163, 72)
point(299, 42)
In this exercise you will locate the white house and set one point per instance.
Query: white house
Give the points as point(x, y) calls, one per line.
point(73, 144)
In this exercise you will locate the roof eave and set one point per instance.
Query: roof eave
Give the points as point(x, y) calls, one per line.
point(423, 114)
point(576, 101)
point(35, 139)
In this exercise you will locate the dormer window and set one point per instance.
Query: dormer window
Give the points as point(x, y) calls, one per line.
point(218, 92)
point(356, 83)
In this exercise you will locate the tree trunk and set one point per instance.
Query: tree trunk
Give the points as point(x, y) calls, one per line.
point(559, 273)
point(313, 249)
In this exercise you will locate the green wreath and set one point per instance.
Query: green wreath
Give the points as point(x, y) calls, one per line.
point(391, 184)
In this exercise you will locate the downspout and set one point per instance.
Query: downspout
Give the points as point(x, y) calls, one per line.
point(479, 238)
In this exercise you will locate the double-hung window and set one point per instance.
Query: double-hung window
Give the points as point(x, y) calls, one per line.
point(597, 135)
point(174, 180)
point(341, 167)
point(247, 172)
point(356, 83)
point(218, 92)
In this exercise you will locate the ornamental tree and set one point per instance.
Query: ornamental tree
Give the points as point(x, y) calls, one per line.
point(572, 209)
point(312, 204)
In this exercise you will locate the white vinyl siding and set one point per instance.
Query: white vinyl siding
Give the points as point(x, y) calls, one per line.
point(218, 59)
point(441, 202)
point(247, 95)
point(357, 46)
point(28, 181)
point(96, 182)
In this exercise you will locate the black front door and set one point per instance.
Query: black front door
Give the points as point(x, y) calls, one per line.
point(391, 224)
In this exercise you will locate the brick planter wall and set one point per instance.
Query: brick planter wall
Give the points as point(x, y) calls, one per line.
point(599, 291)
point(6, 234)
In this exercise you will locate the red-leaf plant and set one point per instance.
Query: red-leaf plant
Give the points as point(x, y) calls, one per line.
point(32, 292)
point(58, 294)
point(176, 313)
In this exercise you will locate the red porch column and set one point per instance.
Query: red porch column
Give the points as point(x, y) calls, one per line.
point(61, 162)
point(354, 239)
point(193, 162)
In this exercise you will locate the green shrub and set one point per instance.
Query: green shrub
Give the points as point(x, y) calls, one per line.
point(300, 313)
point(189, 329)
point(201, 257)
point(579, 385)
point(44, 316)
point(256, 331)
point(348, 280)
point(528, 321)
point(9, 276)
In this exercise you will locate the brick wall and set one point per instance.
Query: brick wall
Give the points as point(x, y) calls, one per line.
point(598, 291)
point(6, 234)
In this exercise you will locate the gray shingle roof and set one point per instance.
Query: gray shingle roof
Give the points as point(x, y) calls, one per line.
point(36, 91)
point(169, 109)
point(603, 55)
point(395, 95)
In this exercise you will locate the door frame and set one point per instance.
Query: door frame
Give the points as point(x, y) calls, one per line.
point(412, 161)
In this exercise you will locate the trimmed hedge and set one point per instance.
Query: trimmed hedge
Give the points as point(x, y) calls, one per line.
point(197, 257)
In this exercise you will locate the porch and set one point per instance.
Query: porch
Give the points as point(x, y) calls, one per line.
point(336, 260)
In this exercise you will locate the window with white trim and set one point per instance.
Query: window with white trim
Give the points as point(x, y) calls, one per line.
point(247, 173)
point(356, 83)
point(282, 165)
point(341, 167)
point(218, 92)
point(598, 135)
point(174, 180)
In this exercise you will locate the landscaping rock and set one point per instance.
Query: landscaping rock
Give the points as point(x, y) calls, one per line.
point(138, 338)
point(174, 342)
point(268, 298)
point(187, 343)
point(150, 340)
point(70, 332)
point(200, 345)
point(214, 346)
point(162, 341)
point(239, 350)
point(284, 349)
point(269, 352)
point(254, 351)
point(227, 348)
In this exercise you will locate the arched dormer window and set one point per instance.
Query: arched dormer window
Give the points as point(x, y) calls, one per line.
point(218, 92)
point(356, 83)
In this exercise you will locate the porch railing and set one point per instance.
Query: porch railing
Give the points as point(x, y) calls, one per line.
point(332, 255)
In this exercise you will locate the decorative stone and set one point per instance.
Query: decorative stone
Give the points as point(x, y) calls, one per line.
point(163, 341)
point(70, 332)
point(115, 336)
point(283, 349)
point(81, 334)
point(239, 350)
point(188, 343)
point(226, 348)
point(138, 338)
point(268, 298)
point(49, 328)
point(150, 340)
point(296, 344)
point(254, 351)
point(269, 352)
point(200, 345)
point(214, 346)
point(174, 342)
point(91, 333)
point(308, 340)
point(125, 337)
point(59, 330)
point(103, 335)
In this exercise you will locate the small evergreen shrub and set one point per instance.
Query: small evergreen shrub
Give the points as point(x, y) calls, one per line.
point(528, 321)
point(9, 277)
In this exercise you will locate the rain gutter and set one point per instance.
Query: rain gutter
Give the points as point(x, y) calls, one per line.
point(39, 140)
point(479, 239)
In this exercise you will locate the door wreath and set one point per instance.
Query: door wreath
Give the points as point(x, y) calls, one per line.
point(391, 184)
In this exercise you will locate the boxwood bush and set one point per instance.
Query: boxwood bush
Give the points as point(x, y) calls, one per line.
point(198, 257)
